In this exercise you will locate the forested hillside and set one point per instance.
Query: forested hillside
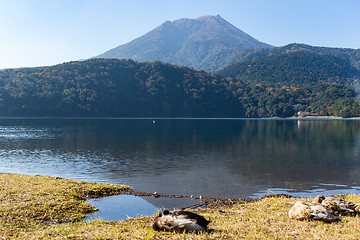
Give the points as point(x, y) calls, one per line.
point(293, 81)
point(109, 87)
point(279, 100)
point(352, 56)
point(124, 88)
point(294, 68)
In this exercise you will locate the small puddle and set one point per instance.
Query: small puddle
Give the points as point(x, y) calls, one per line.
point(122, 207)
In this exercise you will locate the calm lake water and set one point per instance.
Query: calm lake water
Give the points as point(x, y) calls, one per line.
point(208, 157)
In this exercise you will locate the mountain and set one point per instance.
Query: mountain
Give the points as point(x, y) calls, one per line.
point(205, 43)
point(293, 67)
point(348, 54)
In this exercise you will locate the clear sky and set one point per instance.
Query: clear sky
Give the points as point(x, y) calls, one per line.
point(48, 32)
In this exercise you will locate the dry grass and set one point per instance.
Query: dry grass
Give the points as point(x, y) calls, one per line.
point(35, 202)
point(34, 207)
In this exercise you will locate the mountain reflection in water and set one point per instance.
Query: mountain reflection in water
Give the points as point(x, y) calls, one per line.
point(208, 157)
point(121, 207)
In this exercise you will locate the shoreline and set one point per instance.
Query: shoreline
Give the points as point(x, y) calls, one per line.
point(40, 207)
point(127, 190)
point(180, 118)
point(325, 117)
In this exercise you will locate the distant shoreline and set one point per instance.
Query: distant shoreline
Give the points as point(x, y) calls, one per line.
point(325, 117)
point(194, 118)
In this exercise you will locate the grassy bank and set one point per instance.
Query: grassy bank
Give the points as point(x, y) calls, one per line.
point(36, 207)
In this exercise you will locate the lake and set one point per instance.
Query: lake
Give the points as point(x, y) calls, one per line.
point(207, 157)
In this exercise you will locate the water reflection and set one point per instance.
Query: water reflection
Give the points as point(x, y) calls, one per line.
point(215, 158)
point(121, 207)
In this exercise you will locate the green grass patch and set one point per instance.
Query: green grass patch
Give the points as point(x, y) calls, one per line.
point(36, 207)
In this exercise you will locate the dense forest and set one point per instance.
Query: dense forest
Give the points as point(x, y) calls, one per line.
point(352, 56)
point(277, 100)
point(125, 88)
point(293, 81)
point(294, 68)
point(118, 88)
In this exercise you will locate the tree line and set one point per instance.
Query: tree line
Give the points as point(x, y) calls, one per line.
point(125, 88)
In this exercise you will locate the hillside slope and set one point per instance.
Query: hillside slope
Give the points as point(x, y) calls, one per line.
point(294, 67)
point(205, 43)
point(348, 54)
point(124, 88)
point(114, 88)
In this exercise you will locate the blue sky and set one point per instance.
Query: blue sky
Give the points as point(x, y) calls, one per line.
point(48, 32)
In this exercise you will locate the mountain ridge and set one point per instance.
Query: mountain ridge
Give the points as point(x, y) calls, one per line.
point(294, 67)
point(205, 43)
point(349, 54)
